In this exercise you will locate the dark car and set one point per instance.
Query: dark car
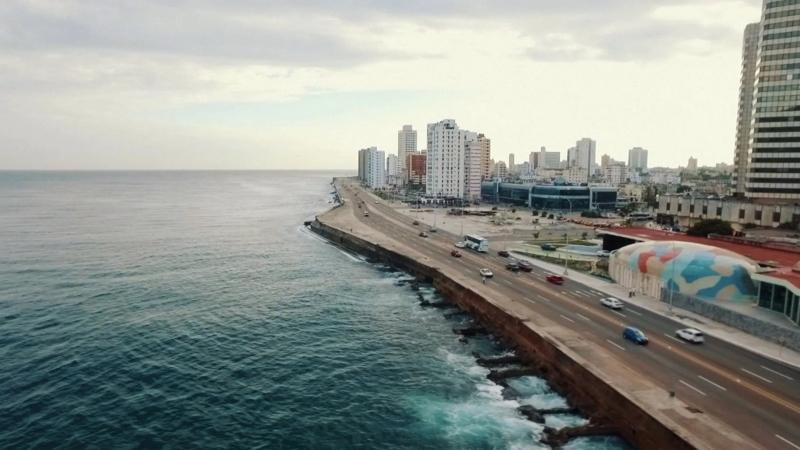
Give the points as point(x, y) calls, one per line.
point(455, 253)
point(634, 335)
point(423, 234)
point(503, 253)
point(555, 279)
point(525, 266)
point(512, 266)
point(416, 222)
point(548, 247)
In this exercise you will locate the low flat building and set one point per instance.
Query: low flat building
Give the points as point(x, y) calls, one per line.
point(550, 197)
point(685, 210)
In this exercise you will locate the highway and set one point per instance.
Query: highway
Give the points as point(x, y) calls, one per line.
point(754, 395)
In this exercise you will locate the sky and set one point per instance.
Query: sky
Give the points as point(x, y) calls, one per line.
point(304, 84)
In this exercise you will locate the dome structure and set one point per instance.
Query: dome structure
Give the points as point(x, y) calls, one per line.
point(697, 270)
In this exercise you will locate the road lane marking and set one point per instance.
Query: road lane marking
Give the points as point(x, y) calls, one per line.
point(778, 373)
point(616, 345)
point(787, 441)
point(599, 293)
point(711, 382)
point(563, 293)
point(566, 318)
point(756, 375)
point(530, 300)
point(618, 313)
point(634, 312)
point(508, 282)
point(542, 297)
point(693, 388)
point(674, 338)
point(584, 317)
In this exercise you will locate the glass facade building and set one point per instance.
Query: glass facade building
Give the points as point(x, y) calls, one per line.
point(779, 299)
point(550, 197)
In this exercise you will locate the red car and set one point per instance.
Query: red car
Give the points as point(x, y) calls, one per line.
point(455, 253)
point(555, 279)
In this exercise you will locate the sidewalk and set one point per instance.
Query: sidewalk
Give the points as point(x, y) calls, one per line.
point(720, 331)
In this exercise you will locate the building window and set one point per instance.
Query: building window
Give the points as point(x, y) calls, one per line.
point(679, 207)
point(691, 209)
point(705, 209)
point(758, 216)
point(776, 216)
point(668, 206)
point(779, 299)
point(765, 295)
point(741, 214)
point(719, 211)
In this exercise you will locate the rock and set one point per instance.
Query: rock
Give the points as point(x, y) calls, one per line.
point(531, 413)
point(498, 361)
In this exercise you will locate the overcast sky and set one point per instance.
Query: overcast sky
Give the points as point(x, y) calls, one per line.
point(303, 84)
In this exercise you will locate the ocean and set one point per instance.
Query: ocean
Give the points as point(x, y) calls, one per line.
point(193, 310)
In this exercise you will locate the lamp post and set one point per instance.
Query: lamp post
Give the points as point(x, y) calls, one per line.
point(672, 278)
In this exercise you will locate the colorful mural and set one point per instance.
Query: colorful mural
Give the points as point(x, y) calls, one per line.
point(693, 269)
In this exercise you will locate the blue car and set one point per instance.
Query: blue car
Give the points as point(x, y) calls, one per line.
point(634, 335)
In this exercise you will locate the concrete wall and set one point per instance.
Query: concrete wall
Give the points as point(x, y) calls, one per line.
point(584, 389)
point(765, 330)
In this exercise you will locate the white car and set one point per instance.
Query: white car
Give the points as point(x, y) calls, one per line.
point(486, 273)
point(461, 244)
point(611, 302)
point(691, 335)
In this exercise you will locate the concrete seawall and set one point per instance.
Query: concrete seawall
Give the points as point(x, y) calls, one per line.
point(565, 370)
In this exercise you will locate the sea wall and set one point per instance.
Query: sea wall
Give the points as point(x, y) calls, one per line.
point(584, 389)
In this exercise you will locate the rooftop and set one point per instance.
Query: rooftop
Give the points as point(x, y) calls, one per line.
point(783, 260)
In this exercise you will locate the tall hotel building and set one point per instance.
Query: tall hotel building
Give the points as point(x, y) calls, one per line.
point(745, 115)
point(446, 159)
point(406, 144)
point(773, 172)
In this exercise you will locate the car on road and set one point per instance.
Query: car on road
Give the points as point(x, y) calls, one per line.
point(548, 247)
point(634, 335)
point(455, 253)
point(555, 279)
point(486, 273)
point(525, 266)
point(611, 302)
point(503, 253)
point(691, 335)
point(434, 229)
point(460, 244)
point(366, 214)
point(512, 266)
point(377, 202)
point(416, 222)
point(423, 234)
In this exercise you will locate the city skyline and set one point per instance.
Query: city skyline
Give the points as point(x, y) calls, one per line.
point(87, 85)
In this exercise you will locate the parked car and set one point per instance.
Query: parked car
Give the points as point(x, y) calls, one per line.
point(611, 302)
point(525, 266)
point(555, 279)
point(691, 335)
point(486, 273)
point(423, 234)
point(634, 335)
point(503, 253)
point(434, 229)
point(461, 244)
point(512, 266)
point(455, 253)
point(548, 247)
point(366, 214)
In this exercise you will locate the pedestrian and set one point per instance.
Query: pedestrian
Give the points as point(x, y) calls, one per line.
point(483, 279)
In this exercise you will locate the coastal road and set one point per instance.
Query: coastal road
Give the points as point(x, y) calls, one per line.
point(754, 395)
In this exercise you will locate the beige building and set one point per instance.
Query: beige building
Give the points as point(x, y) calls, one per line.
point(687, 210)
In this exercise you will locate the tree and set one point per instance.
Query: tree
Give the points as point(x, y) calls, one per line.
point(710, 226)
point(536, 235)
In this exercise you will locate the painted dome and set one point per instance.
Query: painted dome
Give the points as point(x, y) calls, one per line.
point(692, 269)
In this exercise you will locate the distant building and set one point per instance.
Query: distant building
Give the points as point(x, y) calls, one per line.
point(473, 170)
point(637, 159)
point(416, 168)
point(501, 171)
point(605, 160)
point(664, 175)
point(512, 168)
point(372, 167)
point(685, 210)
point(744, 117)
point(447, 159)
point(576, 175)
point(406, 144)
point(692, 165)
point(484, 145)
point(393, 177)
point(616, 173)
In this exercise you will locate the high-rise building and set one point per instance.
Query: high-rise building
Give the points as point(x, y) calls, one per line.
point(773, 173)
point(393, 177)
point(406, 143)
point(446, 160)
point(692, 165)
point(637, 159)
point(511, 165)
point(744, 117)
point(372, 167)
point(416, 168)
point(585, 153)
point(501, 171)
point(548, 160)
point(484, 145)
point(604, 161)
point(473, 172)
point(572, 157)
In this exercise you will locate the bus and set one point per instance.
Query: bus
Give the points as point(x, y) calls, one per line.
point(477, 243)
